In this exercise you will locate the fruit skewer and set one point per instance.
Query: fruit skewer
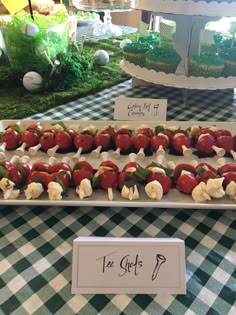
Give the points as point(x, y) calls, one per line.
point(123, 141)
point(82, 175)
point(10, 137)
point(102, 141)
point(106, 175)
point(83, 142)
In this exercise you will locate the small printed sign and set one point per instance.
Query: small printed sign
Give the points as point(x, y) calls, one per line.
point(103, 265)
point(128, 108)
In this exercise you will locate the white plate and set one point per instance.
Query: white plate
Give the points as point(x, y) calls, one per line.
point(178, 81)
point(190, 7)
point(173, 199)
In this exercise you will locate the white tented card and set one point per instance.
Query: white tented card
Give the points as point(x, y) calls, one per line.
point(104, 265)
point(129, 108)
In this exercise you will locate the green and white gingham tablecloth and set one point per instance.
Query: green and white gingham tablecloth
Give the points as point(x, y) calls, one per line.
point(36, 242)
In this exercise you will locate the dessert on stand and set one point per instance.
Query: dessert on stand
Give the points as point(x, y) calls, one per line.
point(106, 6)
point(198, 56)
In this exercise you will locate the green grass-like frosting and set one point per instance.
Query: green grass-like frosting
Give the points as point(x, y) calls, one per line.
point(229, 54)
point(152, 39)
point(209, 59)
point(164, 55)
point(137, 47)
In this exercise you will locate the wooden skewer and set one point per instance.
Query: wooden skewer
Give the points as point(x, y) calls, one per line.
point(110, 194)
point(233, 153)
point(14, 159)
point(52, 151)
point(132, 157)
point(33, 150)
point(160, 159)
point(219, 151)
point(186, 151)
point(104, 155)
point(160, 151)
point(116, 154)
point(96, 152)
point(141, 154)
point(21, 150)
point(25, 159)
point(76, 156)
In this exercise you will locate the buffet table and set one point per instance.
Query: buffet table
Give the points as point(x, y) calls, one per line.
point(36, 242)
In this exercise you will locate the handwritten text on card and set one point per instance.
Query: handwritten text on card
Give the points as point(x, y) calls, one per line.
point(121, 265)
point(140, 109)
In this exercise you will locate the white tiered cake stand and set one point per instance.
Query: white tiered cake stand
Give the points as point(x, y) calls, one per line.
point(190, 17)
point(106, 27)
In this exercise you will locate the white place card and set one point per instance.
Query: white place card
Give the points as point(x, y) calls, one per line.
point(128, 108)
point(104, 265)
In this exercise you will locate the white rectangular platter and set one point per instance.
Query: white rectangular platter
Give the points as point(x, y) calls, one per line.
point(173, 199)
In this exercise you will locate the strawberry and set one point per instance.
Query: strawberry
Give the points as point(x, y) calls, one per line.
point(108, 180)
point(225, 142)
point(103, 140)
point(186, 183)
point(80, 174)
point(84, 141)
point(123, 142)
point(158, 141)
point(141, 141)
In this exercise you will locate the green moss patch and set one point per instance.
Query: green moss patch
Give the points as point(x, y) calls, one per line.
point(17, 103)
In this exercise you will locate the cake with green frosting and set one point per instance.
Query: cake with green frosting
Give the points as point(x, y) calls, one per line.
point(229, 56)
point(166, 42)
point(163, 59)
point(135, 52)
point(152, 38)
point(206, 65)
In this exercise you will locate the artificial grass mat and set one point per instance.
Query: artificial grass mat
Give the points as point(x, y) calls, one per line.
point(17, 103)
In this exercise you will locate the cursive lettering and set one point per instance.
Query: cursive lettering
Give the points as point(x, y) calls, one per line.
point(106, 263)
point(128, 266)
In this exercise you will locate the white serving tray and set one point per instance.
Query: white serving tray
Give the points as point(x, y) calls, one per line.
point(173, 199)
point(178, 81)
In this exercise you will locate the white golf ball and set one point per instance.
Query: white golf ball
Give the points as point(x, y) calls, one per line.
point(32, 81)
point(30, 29)
point(125, 42)
point(101, 57)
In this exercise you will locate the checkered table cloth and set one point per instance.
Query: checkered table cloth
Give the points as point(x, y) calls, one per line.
point(36, 242)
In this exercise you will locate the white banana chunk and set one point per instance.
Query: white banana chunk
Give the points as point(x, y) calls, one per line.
point(130, 169)
point(54, 191)
point(231, 190)
point(199, 193)
point(156, 169)
point(57, 127)
point(194, 130)
point(91, 128)
point(214, 187)
point(11, 194)
point(6, 184)
point(154, 190)
point(7, 187)
point(33, 190)
point(84, 189)
point(130, 193)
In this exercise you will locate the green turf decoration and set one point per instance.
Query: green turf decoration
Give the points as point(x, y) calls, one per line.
point(18, 103)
